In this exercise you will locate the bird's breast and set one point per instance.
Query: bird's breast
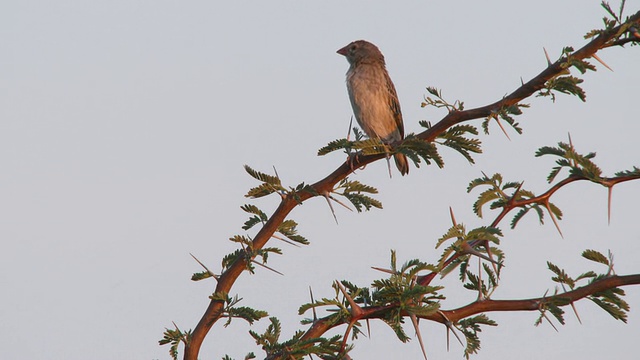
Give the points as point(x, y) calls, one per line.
point(371, 102)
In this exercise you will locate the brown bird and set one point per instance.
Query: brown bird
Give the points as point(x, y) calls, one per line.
point(373, 96)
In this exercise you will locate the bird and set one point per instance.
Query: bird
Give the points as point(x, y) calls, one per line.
point(373, 96)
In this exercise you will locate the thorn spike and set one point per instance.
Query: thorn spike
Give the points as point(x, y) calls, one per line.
point(553, 217)
point(610, 191)
point(502, 128)
point(453, 217)
point(414, 321)
point(547, 56)
point(602, 62)
point(326, 196)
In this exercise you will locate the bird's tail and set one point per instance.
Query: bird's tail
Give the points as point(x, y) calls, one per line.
point(401, 163)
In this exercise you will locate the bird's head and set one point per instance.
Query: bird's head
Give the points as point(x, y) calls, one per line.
point(361, 51)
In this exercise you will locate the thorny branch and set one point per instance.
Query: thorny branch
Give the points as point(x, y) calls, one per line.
point(288, 203)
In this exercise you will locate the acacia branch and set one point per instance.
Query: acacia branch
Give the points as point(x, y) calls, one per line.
point(513, 204)
point(485, 305)
point(535, 304)
point(226, 280)
point(543, 198)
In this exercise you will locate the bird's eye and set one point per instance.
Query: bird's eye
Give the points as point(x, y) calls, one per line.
point(353, 48)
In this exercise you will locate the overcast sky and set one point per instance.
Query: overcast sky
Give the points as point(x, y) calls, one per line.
point(124, 126)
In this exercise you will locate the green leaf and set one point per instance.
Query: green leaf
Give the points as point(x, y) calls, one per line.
point(567, 85)
point(440, 102)
point(229, 259)
point(340, 144)
point(246, 313)
point(616, 311)
point(356, 186)
point(288, 228)
point(505, 113)
point(489, 233)
point(455, 232)
point(470, 327)
point(518, 216)
point(581, 65)
point(371, 147)
point(455, 138)
point(359, 201)
point(251, 222)
point(269, 179)
point(262, 190)
point(484, 197)
point(556, 311)
point(241, 239)
point(318, 303)
point(417, 150)
point(578, 164)
point(596, 256)
point(175, 338)
point(631, 173)
point(252, 209)
point(353, 191)
point(561, 276)
point(201, 276)
point(586, 275)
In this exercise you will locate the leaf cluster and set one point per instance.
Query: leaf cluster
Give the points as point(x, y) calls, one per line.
point(365, 146)
point(175, 337)
point(418, 150)
point(506, 113)
point(609, 300)
point(472, 243)
point(395, 296)
point(634, 173)
point(470, 327)
point(577, 164)
point(504, 195)
point(248, 253)
point(288, 228)
point(296, 347)
point(402, 291)
point(439, 102)
point(627, 32)
point(356, 192)
point(460, 138)
point(231, 311)
point(456, 137)
point(564, 82)
point(270, 184)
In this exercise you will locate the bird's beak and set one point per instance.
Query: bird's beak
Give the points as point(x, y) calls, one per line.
point(343, 51)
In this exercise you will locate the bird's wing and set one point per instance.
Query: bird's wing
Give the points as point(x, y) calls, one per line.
point(394, 104)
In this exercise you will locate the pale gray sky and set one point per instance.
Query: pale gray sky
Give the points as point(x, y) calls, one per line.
point(125, 124)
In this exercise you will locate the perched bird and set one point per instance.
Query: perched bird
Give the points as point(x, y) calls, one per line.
point(373, 96)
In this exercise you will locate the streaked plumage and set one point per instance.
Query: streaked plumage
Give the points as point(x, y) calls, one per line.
point(373, 96)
